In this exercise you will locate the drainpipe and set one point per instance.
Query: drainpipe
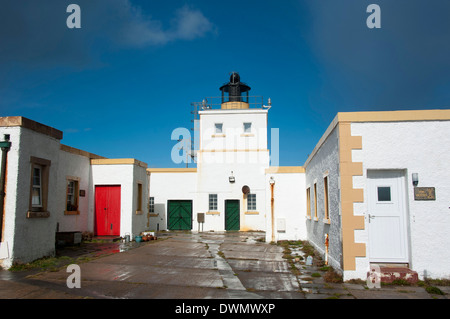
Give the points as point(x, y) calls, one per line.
point(326, 248)
point(5, 146)
point(272, 185)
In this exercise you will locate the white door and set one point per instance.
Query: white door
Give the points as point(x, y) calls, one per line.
point(387, 217)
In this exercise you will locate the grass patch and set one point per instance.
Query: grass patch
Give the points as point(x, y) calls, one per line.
point(434, 290)
point(316, 275)
point(46, 263)
point(332, 276)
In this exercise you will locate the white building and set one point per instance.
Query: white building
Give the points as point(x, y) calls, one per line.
point(361, 192)
point(52, 188)
point(231, 188)
point(374, 191)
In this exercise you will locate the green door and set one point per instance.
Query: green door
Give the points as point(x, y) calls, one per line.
point(179, 214)
point(232, 213)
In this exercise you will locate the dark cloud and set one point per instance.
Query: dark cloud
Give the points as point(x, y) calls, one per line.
point(404, 64)
point(34, 33)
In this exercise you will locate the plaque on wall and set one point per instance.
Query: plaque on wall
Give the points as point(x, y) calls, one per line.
point(424, 193)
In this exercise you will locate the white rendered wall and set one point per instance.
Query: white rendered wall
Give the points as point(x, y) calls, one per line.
point(127, 176)
point(325, 163)
point(236, 153)
point(171, 186)
point(289, 207)
point(78, 166)
point(415, 147)
point(28, 238)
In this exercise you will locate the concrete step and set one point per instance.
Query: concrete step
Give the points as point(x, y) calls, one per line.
point(107, 238)
point(390, 274)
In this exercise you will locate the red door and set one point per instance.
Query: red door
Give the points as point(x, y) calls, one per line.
point(107, 210)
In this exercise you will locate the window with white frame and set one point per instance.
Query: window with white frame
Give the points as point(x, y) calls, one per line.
point(36, 195)
point(72, 195)
point(40, 169)
point(218, 128)
point(247, 127)
point(251, 202)
point(212, 202)
point(151, 204)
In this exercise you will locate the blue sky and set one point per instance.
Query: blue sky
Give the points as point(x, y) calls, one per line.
point(122, 83)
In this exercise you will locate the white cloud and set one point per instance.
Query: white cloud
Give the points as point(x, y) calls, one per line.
point(137, 29)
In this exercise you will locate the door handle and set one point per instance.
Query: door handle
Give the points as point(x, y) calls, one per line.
point(371, 217)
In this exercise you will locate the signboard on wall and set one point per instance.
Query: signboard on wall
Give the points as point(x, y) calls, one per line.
point(424, 193)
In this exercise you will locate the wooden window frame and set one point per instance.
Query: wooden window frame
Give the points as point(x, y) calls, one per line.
point(76, 193)
point(316, 218)
point(308, 202)
point(39, 211)
point(326, 199)
point(139, 198)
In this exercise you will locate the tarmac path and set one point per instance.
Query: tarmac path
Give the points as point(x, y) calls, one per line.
point(193, 265)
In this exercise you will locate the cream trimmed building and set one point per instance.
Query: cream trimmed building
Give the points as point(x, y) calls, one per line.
point(374, 191)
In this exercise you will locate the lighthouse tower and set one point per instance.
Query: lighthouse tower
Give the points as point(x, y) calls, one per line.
point(232, 158)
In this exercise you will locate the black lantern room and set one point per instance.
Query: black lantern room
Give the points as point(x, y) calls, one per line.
point(235, 89)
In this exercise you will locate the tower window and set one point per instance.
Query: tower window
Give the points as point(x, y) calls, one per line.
point(219, 128)
point(247, 127)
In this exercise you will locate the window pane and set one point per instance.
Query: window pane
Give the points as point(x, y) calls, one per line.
point(37, 176)
point(247, 127)
point(72, 196)
point(384, 194)
point(151, 205)
point(251, 202)
point(212, 202)
point(36, 196)
point(219, 127)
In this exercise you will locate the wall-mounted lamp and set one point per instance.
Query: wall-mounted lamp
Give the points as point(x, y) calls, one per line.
point(271, 180)
point(231, 178)
point(415, 179)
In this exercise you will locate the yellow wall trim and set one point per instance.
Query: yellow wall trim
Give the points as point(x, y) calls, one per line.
point(285, 169)
point(11, 121)
point(380, 116)
point(395, 116)
point(349, 196)
point(76, 151)
point(172, 170)
point(118, 161)
point(234, 150)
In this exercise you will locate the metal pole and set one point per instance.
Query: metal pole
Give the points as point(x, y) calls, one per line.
point(272, 212)
point(5, 146)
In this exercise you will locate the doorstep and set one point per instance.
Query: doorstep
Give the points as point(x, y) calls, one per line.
point(391, 273)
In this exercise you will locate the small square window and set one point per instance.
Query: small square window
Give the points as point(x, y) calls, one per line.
point(251, 202)
point(384, 194)
point(212, 202)
point(247, 127)
point(219, 128)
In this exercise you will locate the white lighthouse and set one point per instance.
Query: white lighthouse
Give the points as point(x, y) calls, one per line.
point(233, 187)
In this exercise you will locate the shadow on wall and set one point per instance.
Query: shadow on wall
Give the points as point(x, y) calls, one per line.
point(160, 220)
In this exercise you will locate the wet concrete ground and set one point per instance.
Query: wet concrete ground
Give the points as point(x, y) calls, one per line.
point(210, 265)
